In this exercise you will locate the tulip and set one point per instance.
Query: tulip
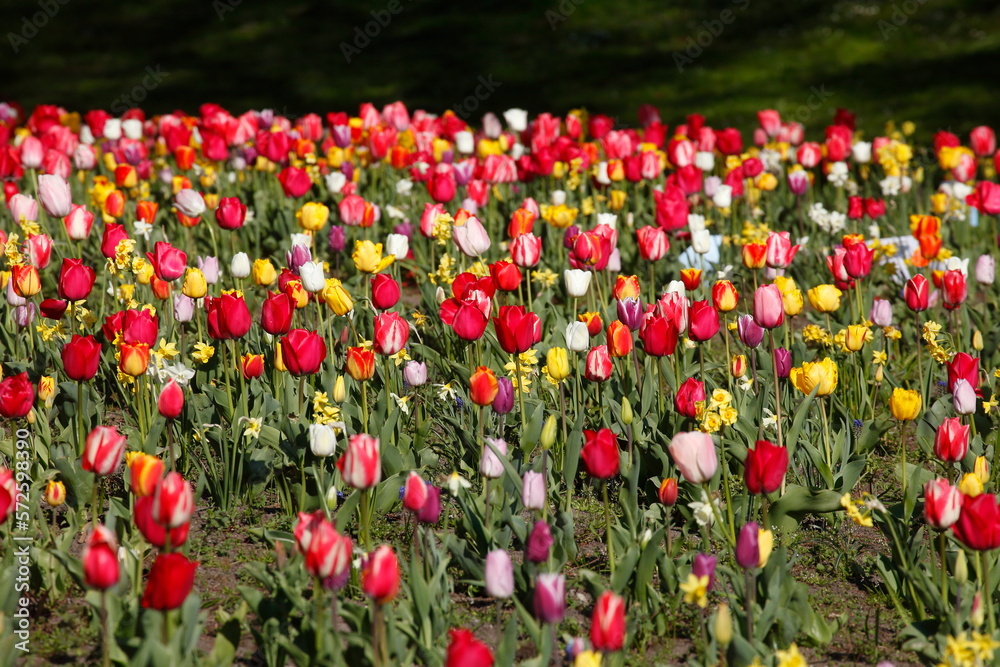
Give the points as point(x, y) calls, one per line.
point(170, 582)
point(173, 501)
point(504, 401)
point(228, 316)
point(8, 494)
point(658, 335)
point(630, 312)
point(385, 292)
point(17, 395)
point(78, 222)
point(391, 333)
point(824, 298)
point(593, 322)
point(985, 270)
point(311, 274)
point(491, 464)
point(414, 492)
point(667, 493)
point(607, 624)
point(764, 467)
point(55, 195)
point(415, 373)
point(209, 267)
point(619, 339)
point(916, 293)
point(101, 568)
point(942, 504)
point(539, 543)
point(881, 313)
point(779, 250)
point(577, 336)
point(322, 440)
point(81, 357)
point(380, 576)
point(168, 262)
point(517, 329)
point(483, 386)
point(183, 308)
point(55, 493)
point(472, 238)
point(145, 473)
point(858, 260)
point(768, 307)
point(905, 404)
point(24, 315)
point(39, 250)
point(154, 533)
point(689, 394)
point(704, 566)
point(499, 577)
point(133, 358)
point(26, 281)
point(963, 397)
point(724, 296)
point(550, 597)
point(600, 453)
point(367, 257)
point(533, 495)
point(951, 442)
point(748, 546)
point(360, 464)
point(103, 450)
point(963, 366)
point(526, 250)
point(263, 272)
point(360, 363)
point(653, 243)
point(695, 456)
point(506, 276)
point(23, 208)
point(195, 286)
point(955, 288)
point(431, 511)
point(276, 313)
point(464, 650)
point(750, 334)
point(53, 309)
point(171, 400)
point(978, 525)
point(598, 366)
point(822, 374)
point(703, 321)
point(577, 282)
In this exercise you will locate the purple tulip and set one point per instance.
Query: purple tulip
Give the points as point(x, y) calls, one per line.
point(748, 547)
point(783, 361)
point(210, 269)
point(751, 334)
point(297, 256)
point(704, 566)
point(539, 543)
point(337, 238)
point(183, 308)
point(630, 312)
point(570, 235)
point(881, 313)
point(504, 402)
point(431, 511)
point(415, 373)
point(550, 597)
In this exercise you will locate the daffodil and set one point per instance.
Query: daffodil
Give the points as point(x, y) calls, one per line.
point(696, 590)
point(790, 657)
point(253, 427)
point(202, 352)
point(456, 482)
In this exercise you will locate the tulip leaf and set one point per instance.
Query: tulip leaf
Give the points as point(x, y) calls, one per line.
point(792, 437)
point(531, 435)
point(624, 567)
point(507, 647)
point(797, 501)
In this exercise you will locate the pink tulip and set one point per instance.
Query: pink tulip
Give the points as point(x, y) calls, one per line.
point(78, 222)
point(472, 238)
point(694, 454)
point(103, 450)
point(23, 208)
point(780, 251)
point(361, 465)
point(942, 504)
point(526, 250)
point(768, 307)
point(57, 200)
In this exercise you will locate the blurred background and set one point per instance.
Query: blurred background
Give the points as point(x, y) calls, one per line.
point(935, 62)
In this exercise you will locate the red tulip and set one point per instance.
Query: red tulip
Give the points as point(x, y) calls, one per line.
point(132, 326)
point(978, 525)
point(963, 367)
point(917, 293)
point(303, 352)
point(526, 250)
point(703, 321)
point(170, 582)
point(607, 624)
point(764, 468)
point(173, 501)
point(8, 493)
point(327, 552)
point(667, 493)
point(17, 395)
point(360, 465)
point(380, 575)
point(506, 276)
point(276, 313)
point(942, 504)
point(76, 280)
point(858, 260)
point(768, 307)
point(81, 357)
point(689, 394)
point(295, 182)
point(658, 335)
point(101, 568)
point(955, 288)
point(414, 492)
point(671, 208)
point(516, 329)
point(154, 533)
point(391, 333)
point(599, 366)
point(983, 141)
point(228, 316)
point(171, 400)
point(168, 262)
point(103, 450)
point(600, 453)
point(53, 309)
point(231, 213)
point(464, 650)
point(653, 243)
point(385, 291)
point(483, 386)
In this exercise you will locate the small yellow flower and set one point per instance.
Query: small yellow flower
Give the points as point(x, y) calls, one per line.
point(253, 427)
point(419, 319)
point(400, 357)
point(202, 352)
point(546, 277)
point(790, 657)
point(166, 350)
point(879, 357)
point(696, 590)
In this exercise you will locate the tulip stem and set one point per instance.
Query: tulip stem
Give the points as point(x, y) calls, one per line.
point(826, 434)
point(920, 362)
point(318, 595)
point(902, 456)
point(105, 638)
point(944, 565)
point(777, 388)
point(520, 393)
point(751, 582)
point(79, 419)
point(364, 406)
point(607, 526)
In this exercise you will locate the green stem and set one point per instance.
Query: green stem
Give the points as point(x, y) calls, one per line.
point(607, 527)
point(520, 393)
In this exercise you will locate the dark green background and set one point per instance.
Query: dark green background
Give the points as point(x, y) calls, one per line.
point(941, 68)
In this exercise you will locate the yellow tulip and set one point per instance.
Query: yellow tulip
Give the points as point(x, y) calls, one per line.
point(263, 272)
point(339, 390)
point(195, 285)
point(55, 493)
point(765, 543)
point(824, 298)
point(337, 297)
point(312, 216)
point(982, 469)
point(822, 374)
point(905, 404)
point(856, 336)
point(557, 362)
point(368, 257)
point(970, 485)
point(723, 625)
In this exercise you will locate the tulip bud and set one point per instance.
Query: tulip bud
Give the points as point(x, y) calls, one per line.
point(240, 265)
point(879, 374)
point(978, 613)
point(668, 491)
point(626, 411)
point(977, 340)
point(533, 490)
point(171, 400)
point(961, 572)
point(504, 401)
point(55, 493)
point(539, 543)
point(981, 469)
point(723, 625)
point(490, 465)
point(499, 577)
point(738, 365)
point(577, 337)
point(548, 437)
